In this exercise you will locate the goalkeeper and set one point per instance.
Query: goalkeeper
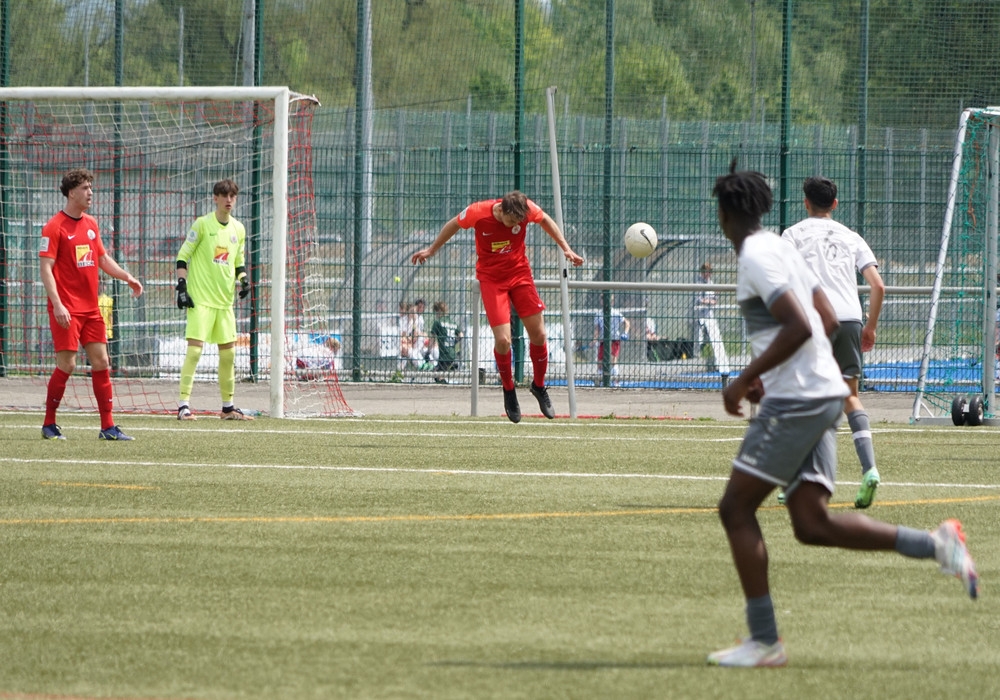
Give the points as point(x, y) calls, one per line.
point(209, 266)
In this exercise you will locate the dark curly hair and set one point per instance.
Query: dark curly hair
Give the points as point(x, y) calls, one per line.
point(744, 194)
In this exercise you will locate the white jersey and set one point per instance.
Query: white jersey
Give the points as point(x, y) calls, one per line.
point(768, 267)
point(835, 253)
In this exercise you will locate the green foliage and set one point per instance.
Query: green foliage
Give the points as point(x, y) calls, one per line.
point(707, 60)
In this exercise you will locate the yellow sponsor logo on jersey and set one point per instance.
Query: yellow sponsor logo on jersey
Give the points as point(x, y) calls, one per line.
point(221, 255)
point(500, 246)
point(84, 256)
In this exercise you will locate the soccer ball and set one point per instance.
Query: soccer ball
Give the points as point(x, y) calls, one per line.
point(640, 240)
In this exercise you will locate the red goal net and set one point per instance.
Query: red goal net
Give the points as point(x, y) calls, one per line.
point(155, 161)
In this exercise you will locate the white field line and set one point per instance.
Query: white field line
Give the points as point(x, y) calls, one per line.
point(458, 472)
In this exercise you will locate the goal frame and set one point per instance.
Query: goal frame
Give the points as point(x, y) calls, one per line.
point(991, 117)
point(280, 97)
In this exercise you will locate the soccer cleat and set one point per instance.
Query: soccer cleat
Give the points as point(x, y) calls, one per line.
point(511, 406)
point(544, 402)
point(184, 413)
point(114, 433)
point(953, 556)
point(234, 414)
point(750, 653)
point(866, 494)
point(52, 432)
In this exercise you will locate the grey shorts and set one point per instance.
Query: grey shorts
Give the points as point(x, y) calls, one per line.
point(790, 441)
point(846, 343)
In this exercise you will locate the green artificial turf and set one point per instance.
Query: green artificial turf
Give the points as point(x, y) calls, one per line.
point(462, 558)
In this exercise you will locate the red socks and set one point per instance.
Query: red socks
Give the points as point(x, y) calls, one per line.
point(102, 392)
point(505, 368)
point(54, 394)
point(539, 361)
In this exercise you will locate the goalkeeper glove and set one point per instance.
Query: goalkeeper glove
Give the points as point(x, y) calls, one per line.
point(183, 299)
point(244, 287)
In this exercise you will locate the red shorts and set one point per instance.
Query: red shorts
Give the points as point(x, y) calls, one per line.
point(616, 349)
point(498, 297)
point(83, 330)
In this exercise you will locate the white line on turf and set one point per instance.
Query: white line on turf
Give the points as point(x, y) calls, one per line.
point(458, 472)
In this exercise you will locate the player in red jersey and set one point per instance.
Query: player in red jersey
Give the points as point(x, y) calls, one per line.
point(71, 253)
point(505, 280)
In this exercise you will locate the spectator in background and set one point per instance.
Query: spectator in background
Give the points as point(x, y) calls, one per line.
point(619, 331)
point(445, 337)
point(704, 326)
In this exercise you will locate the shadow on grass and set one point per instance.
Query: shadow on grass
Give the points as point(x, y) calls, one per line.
point(572, 665)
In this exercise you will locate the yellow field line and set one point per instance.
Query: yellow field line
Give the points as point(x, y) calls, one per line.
point(80, 484)
point(414, 518)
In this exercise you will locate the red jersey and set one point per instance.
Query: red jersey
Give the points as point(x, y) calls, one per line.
point(75, 245)
point(500, 252)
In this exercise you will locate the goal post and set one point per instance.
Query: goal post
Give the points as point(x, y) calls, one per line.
point(155, 153)
point(957, 376)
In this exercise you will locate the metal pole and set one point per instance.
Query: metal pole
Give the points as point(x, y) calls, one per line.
point(516, 327)
point(609, 113)
point(863, 119)
point(786, 117)
point(4, 179)
point(568, 343)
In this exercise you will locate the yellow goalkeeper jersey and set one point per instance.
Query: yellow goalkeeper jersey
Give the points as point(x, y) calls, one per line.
point(212, 252)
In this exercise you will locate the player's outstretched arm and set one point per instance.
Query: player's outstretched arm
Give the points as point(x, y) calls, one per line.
point(550, 227)
point(875, 299)
point(108, 264)
point(447, 231)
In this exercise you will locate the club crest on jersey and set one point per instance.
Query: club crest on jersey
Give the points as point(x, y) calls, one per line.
point(221, 256)
point(91, 234)
point(516, 229)
point(84, 256)
point(232, 238)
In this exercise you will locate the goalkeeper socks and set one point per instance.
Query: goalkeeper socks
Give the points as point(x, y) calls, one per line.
point(102, 392)
point(191, 358)
point(539, 361)
point(227, 374)
point(54, 394)
point(861, 431)
point(505, 368)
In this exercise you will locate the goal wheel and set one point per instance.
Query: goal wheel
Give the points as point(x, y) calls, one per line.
point(975, 415)
point(958, 408)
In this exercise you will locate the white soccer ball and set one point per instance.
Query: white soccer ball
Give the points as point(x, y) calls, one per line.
point(640, 240)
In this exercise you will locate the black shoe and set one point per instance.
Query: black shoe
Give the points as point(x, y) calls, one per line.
point(511, 406)
point(440, 380)
point(544, 402)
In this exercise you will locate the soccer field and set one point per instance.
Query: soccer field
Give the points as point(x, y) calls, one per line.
point(464, 558)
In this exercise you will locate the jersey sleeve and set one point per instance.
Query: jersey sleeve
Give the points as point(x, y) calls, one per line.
point(190, 243)
point(468, 217)
point(241, 251)
point(767, 274)
point(49, 244)
point(863, 255)
point(535, 213)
